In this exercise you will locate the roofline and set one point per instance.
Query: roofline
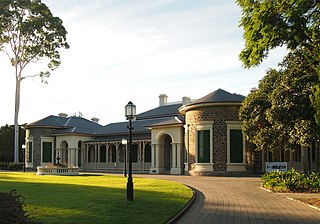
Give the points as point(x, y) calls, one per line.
point(164, 125)
point(45, 126)
point(72, 133)
point(156, 116)
point(121, 133)
point(187, 107)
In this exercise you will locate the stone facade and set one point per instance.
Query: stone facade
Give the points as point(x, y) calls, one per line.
point(193, 137)
point(34, 135)
point(217, 117)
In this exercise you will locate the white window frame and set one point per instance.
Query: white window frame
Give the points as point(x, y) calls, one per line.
point(51, 140)
point(235, 125)
point(203, 126)
point(29, 164)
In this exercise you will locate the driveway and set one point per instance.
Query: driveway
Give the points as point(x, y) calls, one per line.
point(239, 200)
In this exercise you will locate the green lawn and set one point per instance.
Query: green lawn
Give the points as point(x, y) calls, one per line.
point(96, 199)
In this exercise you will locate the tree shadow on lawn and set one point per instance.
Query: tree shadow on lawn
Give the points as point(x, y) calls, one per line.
point(70, 203)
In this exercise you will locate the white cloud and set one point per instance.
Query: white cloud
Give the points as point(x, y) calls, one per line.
point(135, 50)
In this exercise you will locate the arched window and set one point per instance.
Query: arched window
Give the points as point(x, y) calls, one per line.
point(122, 153)
point(91, 153)
point(112, 154)
point(103, 153)
point(147, 153)
point(134, 153)
point(79, 153)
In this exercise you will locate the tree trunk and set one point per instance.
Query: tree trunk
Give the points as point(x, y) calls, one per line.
point(16, 123)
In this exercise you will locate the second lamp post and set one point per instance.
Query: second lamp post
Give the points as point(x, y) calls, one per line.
point(130, 113)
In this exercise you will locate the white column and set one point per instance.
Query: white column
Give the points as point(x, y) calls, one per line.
point(98, 149)
point(82, 158)
point(107, 155)
point(153, 153)
point(69, 157)
point(157, 156)
point(95, 156)
point(179, 156)
point(176, 151)
point(174, 155)
point(76, 157)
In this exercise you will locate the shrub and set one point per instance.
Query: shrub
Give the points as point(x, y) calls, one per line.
point(292, 180)
point(15, 166)
point(11, 206)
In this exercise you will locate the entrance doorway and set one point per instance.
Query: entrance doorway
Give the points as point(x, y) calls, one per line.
point(167, 150)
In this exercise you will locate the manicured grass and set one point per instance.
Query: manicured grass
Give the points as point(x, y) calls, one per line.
point(96, 199)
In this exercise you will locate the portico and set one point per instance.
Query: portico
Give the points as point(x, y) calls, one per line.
point(167, 147)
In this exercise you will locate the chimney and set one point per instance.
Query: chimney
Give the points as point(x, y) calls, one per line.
point(63, 115)
point(95, 120)
point(163, 99)
point(185, 100)
point(254, 89)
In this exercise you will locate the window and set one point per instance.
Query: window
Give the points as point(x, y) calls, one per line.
point(113, 154)
point(29, 152)
point(47, 152)
point(147, 153)
point(91, 154)
point(122, 154)
point(134, 153)
point(236, 146)
point(103, 153)
point(203, 145)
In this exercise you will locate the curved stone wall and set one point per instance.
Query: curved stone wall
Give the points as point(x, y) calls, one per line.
point(216, 116)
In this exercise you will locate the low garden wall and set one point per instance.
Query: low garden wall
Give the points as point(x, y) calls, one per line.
point(63, 171)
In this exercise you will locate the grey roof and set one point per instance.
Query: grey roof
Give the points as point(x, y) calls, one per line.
point(161, 111)
point(219, 96)
point(138, 125)
point(169, 121)
point(50, 121)
point(67, 124)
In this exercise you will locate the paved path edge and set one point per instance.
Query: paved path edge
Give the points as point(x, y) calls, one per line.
point(187, 207)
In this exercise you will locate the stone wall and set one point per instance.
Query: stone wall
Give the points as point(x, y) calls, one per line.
point(218, 115)
point(36, 134)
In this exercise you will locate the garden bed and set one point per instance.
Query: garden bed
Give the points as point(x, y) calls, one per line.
point(295, 185)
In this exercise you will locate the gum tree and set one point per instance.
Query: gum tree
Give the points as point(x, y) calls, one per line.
point(294, 24)
point(294, 98)
point(29, 33)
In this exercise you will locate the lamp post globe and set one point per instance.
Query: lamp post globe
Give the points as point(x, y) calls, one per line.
point(24, 157)
point(130, 113)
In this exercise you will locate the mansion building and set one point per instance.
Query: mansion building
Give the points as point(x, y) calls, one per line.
point(192, 137)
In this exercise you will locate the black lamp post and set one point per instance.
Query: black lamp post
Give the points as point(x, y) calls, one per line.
point(124, 143)
point(130, 113)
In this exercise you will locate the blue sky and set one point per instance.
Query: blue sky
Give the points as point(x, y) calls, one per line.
point(124, 51)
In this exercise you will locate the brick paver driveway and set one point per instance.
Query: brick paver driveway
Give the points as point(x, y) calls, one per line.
point(240, 200)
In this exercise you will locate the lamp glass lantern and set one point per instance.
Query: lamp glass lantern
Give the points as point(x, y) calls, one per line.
point(130, 110)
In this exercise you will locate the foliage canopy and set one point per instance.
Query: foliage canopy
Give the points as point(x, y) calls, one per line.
point(284, 110)
point(29, 33)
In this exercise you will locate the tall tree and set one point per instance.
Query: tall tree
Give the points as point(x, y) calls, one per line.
point(6, 139)
point(29, 33)
point(270, 24)
point(280, 113)
point(294, 24)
